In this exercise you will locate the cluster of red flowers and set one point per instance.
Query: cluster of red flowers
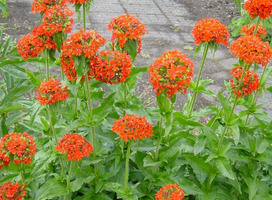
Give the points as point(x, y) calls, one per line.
point(47, 41)
point(261, 8)
point(15, 191)
point(111, 67)
point(79, 44)
point(19, 147)
point(126, 27)
point(171, 73)
point(170, 192)
point(42, 5)
point(51, 92)
point(132, 127)
point(75, 146)
point(251, 49)
point(210, 30)
point(250, 82)
point(77, 1)
point(249, 30)
point(30, 46)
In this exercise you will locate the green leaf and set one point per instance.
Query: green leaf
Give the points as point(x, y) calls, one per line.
point(149, 162)
point(79, 181)
point(50, 189)
point(11, 107)
point(200, 144)
point(235, 133)
point(15, 71)
point(186, 122)
point(4, 9)
point(131, 47)
point(198, 164)
point(198, 49)
point(15, 93)
point(269, 88)
point(58, 40)
point(4, 128)
point(6, 46)
point(224, 168)
point(225, 104)
point(33, 79)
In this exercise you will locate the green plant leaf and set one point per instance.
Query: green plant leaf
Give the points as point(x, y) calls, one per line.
point(4, 9)
point(225, 104)
point(11, 107)
point(200, 144)
point(224, 168)
point(235, 133)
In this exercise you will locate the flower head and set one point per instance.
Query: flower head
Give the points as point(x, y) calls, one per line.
point(51, 91)
point(249, 30)
point(127, 27)
point(17, 147)
point(75, 146)
point(171, 73)
point(111, 67)
point(132, 127)
point(261, 8)
point(170, 192)
point(251, 49)
point(58, 19)
point(77, 1)
point(42, 5)
point(47, 41)
point(30, 46)
point(15, 191)
point(250, 82)
point(210, 30)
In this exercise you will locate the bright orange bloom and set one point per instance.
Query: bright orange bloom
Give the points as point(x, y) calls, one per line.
point(15, 191)
point(77, 1)
point(79, 44)
point(210, 30)
point(17, 147)
point(251, 49)
point(171, 73)
point(75, 146)
point(170, 192)
point(30, 46)
point(261, 8)
point(250, 82)
point(51, 92)
point(126, 27)
point(57, 19)
point(249, 30)
point(47, 41)
point(42, 5)
point(132, 127)
point(111, 67)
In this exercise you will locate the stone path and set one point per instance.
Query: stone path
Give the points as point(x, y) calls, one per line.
point(169, 26)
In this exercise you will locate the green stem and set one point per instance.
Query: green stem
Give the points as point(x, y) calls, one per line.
point(256, 28)
point(127, 165)
point(125, 96)
point(92, 121)
point(84, 16)
point(46, 57)
point(41, 75)
point(198, 78)
point(68, 178)
point(22, 172)
point(256, 94)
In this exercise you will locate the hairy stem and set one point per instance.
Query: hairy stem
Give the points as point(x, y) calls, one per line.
point(127, 165)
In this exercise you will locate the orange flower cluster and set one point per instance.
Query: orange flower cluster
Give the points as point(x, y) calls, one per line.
point(30, 46)
point(170, 192)
point(15, 191)
point(171, 73)
point(75, 146)
point(127, 27)
point(51, 92)
point(47, 41)
point(210, 30)
point(251, 49)
point(42, 5)
point(111, 67)
point(261, 8)
point(250, 82)
point(79, 44)
point(77, 1)
point(132, 127)
point(249, 30)
point(57, 19)
point(19, 147)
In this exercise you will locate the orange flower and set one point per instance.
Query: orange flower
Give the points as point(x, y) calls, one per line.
point(42, 5)
point(171, 73)
point(30, 46)
point(111, 67)
point(19, 147)
point(251, 49)
point(127, 27)
point(77, 1)
point(47, 41)
point(249, 30)
point(57, 19)
point(210, 30)
point(51, 92)
point(79, 44)
point(132, 127)
point(250, 82)
point(15, 191)
point(261, 8)
point(75, 146)
point(170, 192)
